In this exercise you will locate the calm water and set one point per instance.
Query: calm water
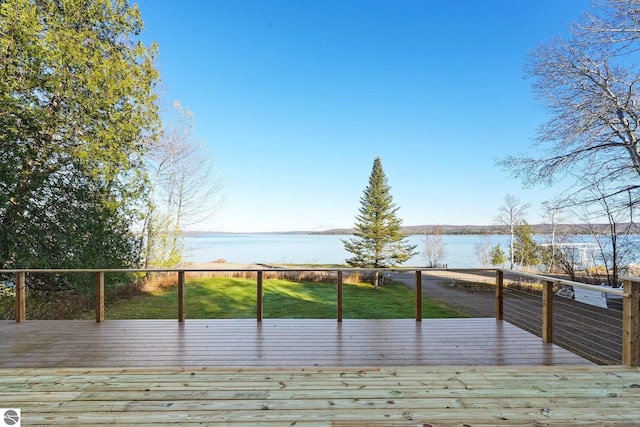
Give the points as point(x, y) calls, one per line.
point(461, 251)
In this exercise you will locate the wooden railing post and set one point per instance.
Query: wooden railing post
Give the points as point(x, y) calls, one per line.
point(499, 295)
point(339, 299)
point(21, 310)
point(259, 295)
point(630, 323)
point(181, 296)
point(100, 296)
point(547, 311)
point(418, 296)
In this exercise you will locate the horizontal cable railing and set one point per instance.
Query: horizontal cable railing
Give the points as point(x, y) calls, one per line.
point(600, 334)
point(607, 340)
point(592, 332)
point(258, 273)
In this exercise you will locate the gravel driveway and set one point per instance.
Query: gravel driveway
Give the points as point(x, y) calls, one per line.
point(434, 284)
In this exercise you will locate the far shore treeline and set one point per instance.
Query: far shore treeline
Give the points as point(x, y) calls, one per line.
point(450, 230)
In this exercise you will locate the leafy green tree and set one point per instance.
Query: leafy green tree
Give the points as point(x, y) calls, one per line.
point(77, 103)
point(526, 251)
point(497, 256)
point(378, 240)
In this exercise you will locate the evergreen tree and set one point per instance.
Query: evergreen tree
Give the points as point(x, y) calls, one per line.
point(526, 250)
point(497, 255)
point(378, 241)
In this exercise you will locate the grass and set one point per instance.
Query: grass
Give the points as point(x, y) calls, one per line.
point(235, 298)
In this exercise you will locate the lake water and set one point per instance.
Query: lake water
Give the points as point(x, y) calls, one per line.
point(460, 251)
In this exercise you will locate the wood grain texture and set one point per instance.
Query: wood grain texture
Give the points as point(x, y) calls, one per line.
point(273, 343)
point(99, 296)
point(631, 324)
point(331, 397)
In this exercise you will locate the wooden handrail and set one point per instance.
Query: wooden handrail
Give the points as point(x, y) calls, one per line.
point(499, 295)
point(418, 296)
point(259, 297)
point(21, 310)
point(630, 322)
point(339, 296)
point(559, 281)
point(630, 309)
point(100, 274)
point(630, 294)
point(182, 305)
point(100, 296)
point(547, 311)
point(228, 270)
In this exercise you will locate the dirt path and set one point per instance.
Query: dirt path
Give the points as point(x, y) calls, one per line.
point(434, 284)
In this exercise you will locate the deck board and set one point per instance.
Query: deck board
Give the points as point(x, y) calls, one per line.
point(330, 397)
point(273, 343)
point(439, 372)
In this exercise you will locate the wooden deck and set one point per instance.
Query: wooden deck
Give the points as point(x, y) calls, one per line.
point(398, 396)
point(273, 343)
point(304, 373)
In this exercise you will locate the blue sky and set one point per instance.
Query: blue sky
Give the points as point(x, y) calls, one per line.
point(296, 98)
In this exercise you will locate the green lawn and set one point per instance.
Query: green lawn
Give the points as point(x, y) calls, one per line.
point(235, 298)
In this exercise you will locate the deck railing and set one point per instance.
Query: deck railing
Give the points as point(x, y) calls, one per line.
point(630, 294)
point(20, 281)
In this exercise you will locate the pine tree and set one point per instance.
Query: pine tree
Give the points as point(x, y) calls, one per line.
point(497, 255)
point(378, 241)
point(526, 250)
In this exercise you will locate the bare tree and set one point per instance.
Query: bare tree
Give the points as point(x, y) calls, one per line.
point(616, 246)
point(434, 248)
point(185, 189)
point(618, 23)
point(590, 83)
point(511, 215)
point(561, 252)
point(483, 251)
point(553, 215)
point(566, 258)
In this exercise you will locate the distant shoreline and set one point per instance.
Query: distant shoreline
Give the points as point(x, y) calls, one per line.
point(575, 229)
